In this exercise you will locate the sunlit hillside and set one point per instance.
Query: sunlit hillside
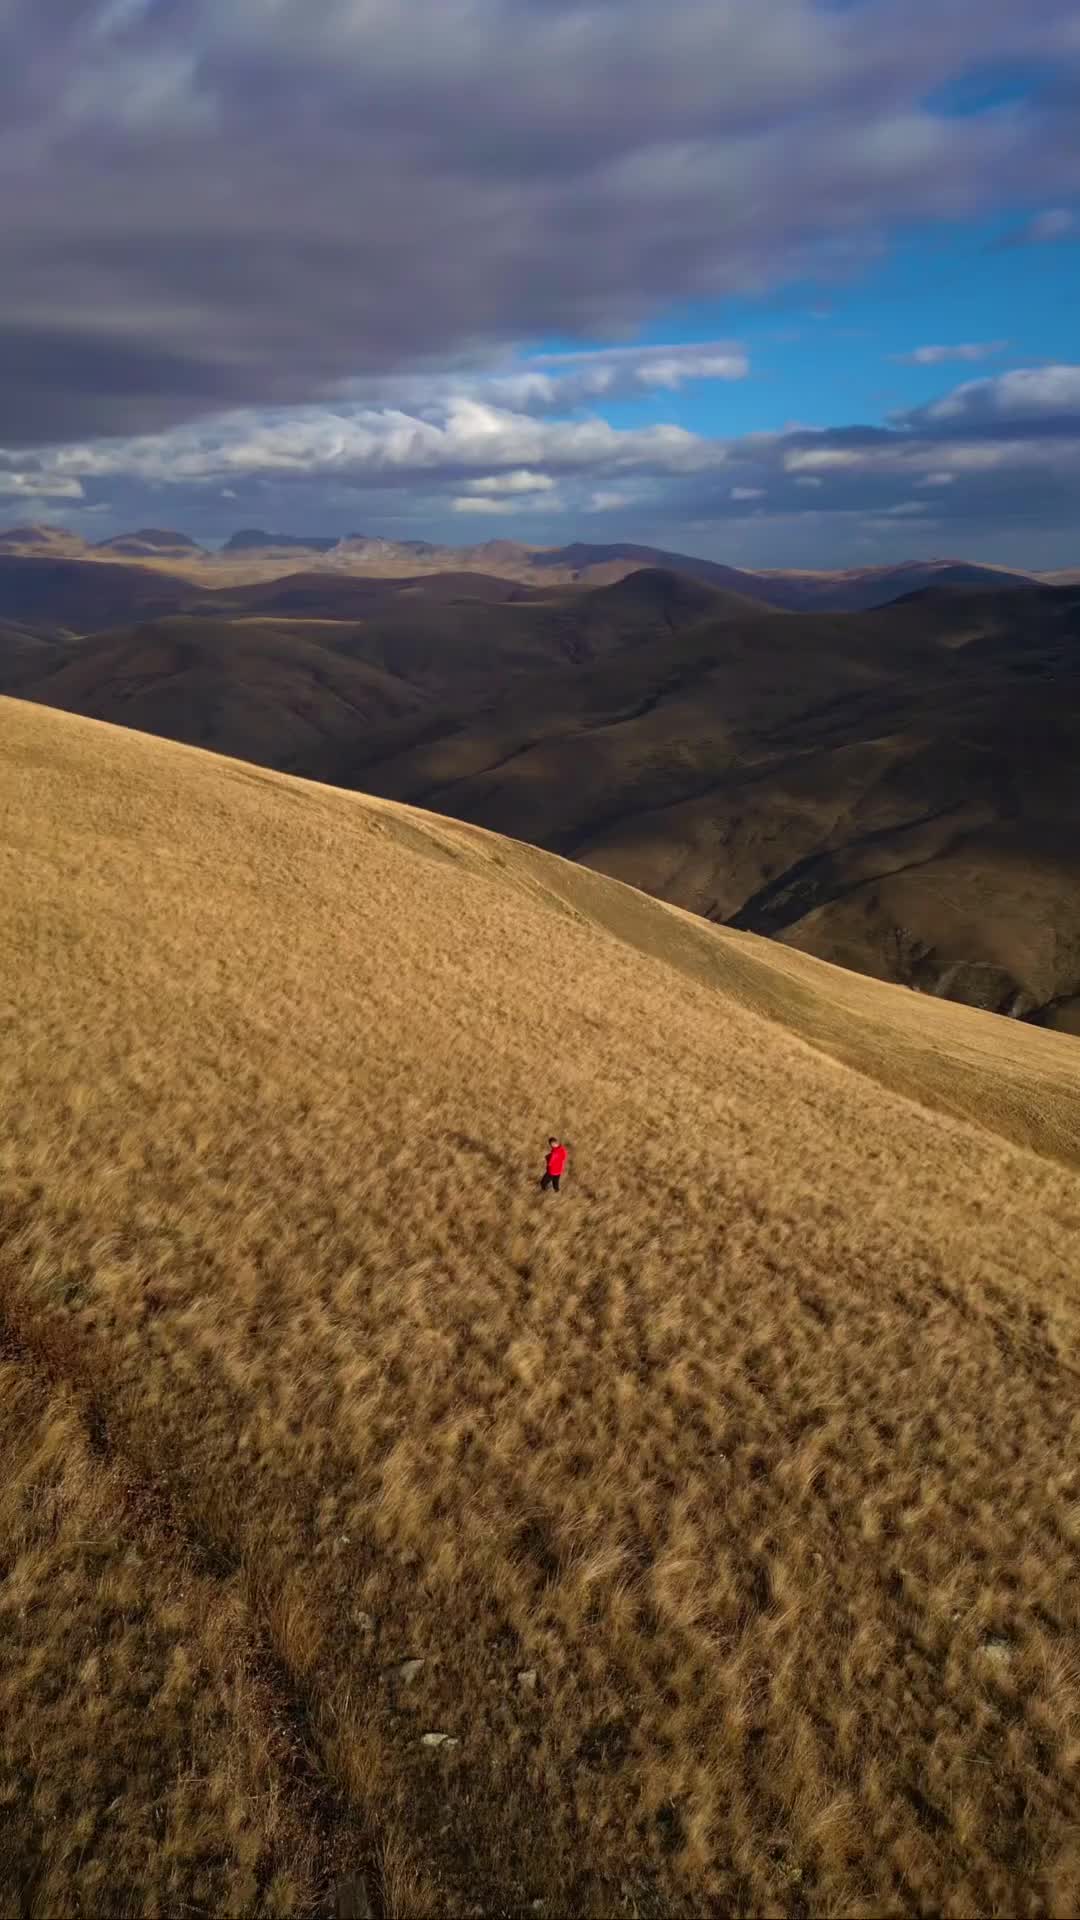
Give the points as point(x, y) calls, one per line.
point(376, 1529)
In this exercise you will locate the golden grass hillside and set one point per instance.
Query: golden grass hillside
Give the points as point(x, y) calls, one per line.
point(703, 1539)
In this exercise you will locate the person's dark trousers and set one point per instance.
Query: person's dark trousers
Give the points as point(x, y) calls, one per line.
point(550, 1180)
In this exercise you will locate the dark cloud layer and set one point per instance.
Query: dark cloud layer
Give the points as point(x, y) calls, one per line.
point(212, 203)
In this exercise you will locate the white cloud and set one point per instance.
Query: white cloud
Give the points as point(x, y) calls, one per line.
point(553, 382)
point(519, 480)
point(655, 366)
point(938, 356)
point(673, 372)
point(40, 486)
point(608, 502)
point(363, 442)
point(938, 479)
point(823, 459)
point(1028, 392)
point(535, 392)
point(747, 493)
point(809, 480)
point(470, 503)
point(1010, 453)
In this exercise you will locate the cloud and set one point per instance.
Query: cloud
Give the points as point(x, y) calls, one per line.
point(1028, 393)
point(520, 480)
point(549, 383)
point(622, 369)
point(823, 459)
point(557, 382)
point(113, 16)
point(469, 503)
point(492, 449)
point(207, 207)
point(1048, 228)
point(1001, 452)
point(31, 486)
point(938, 356)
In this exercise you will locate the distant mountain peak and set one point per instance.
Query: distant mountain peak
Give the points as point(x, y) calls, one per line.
point(36, 533)
point(150, 540)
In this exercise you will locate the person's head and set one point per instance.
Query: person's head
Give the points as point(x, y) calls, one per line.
point(552, 1142)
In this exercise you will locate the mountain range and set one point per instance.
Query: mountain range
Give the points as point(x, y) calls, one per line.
point(252, 554)
point(892, 788)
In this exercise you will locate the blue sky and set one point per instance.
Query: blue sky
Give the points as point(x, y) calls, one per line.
point(787, 285)
point(825, 353)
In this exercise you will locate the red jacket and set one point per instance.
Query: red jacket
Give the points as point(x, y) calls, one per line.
point(556, 1161)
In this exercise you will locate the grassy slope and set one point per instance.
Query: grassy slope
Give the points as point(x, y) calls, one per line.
point(1020, 1082)
point(756, 1446)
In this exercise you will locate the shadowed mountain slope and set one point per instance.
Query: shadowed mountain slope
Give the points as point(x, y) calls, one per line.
point(82, 596)
point(893, 790)
point(432, 638)
point(266, 694)
point(79, 596)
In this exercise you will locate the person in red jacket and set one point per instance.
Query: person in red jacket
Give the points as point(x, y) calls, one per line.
point(556, 1165)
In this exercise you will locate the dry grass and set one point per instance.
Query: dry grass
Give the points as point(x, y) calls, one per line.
point(756, 1446)
point(143, 1768)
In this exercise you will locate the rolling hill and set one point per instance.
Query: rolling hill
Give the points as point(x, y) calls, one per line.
point(151, 543)
point(465, 636)
point(892, 790)
point(267, 694)
point(378, 1530)
point(847, 591)
point(859, 589)
point(594, 564)
point(345, 596)
point(65, 595)
point(34, 540)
